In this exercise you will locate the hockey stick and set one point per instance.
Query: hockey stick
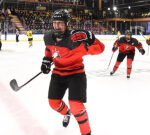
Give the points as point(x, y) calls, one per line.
point(145, 39)
point(110, 60)
point(142, 35)
point(14, 84)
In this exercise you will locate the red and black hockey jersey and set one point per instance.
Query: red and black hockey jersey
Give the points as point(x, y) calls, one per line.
point(67, 55)
point(127, 47)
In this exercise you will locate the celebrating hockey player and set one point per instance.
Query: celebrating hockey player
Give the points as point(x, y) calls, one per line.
point(65, 49)
point(126, 45)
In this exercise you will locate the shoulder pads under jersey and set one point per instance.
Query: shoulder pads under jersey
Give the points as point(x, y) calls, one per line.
point(48, 37)
point(135, 41)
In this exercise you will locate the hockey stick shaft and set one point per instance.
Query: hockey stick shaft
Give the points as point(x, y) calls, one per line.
point(142, 35)
point(110, 60)
point(30, 79)
point(145, 39)
point(33, 78)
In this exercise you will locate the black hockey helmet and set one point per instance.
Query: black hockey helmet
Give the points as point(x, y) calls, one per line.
point(128, 32)
point(62, 15)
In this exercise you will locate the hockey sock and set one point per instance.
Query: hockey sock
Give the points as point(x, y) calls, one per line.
point(58, 105)
point(77, 108)
point(30, 43)
point(116, 65)
point(129, 66)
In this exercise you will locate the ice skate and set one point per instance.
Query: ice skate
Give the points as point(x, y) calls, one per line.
point(87, 134)
point(112, 72)
point(128, 75)
point(30, 45)
point(66, 119)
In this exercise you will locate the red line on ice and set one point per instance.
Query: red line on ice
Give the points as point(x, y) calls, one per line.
point(28, 124)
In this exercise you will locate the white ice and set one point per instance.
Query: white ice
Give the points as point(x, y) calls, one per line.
point(116, 105)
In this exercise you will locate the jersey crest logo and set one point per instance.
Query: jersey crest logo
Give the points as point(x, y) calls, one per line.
point(55, 53)
point(127, 47)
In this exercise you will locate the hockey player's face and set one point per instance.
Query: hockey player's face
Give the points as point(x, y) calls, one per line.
point(59, 25)
point(128, 37)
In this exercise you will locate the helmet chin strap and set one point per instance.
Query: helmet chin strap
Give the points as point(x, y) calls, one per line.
point(59, 33)
point(128, 39)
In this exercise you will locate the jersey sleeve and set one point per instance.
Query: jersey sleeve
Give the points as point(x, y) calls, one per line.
point(48, 53)
point(87, 39)
point(139, 45)
point(116, 43)
point(96, 48)
point(75, 55)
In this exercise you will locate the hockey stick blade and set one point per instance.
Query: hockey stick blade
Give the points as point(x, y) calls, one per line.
point(14, 85)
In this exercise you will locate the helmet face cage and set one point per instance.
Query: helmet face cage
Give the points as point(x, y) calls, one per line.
point(61, 15)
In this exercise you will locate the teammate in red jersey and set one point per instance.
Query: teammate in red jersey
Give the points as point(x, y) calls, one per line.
point(65, 49)
point(126, 45)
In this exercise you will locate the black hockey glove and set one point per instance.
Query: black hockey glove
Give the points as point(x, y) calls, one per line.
point(142, 51)
point(114, 48)
point(83, 36)
point(46, 65)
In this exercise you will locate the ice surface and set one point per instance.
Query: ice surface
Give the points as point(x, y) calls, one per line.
point(116, 105)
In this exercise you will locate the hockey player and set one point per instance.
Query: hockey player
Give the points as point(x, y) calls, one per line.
point(126, 45)
point(148, 40)
point(118, 34)
point(30, 37)
point(65, 49)
point(0, 39)
point(17, 35)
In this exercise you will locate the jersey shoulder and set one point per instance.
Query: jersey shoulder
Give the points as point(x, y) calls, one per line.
point(121, 40)
point(48, 38)
point(29, 32)
point(134, 41)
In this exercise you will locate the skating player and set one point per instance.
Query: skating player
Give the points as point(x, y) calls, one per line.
point(126, 45)
point(118, 34)
point(17, 35)
point(148, 40)
point(30, 37)
point(65, 49)
point(0, 39)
